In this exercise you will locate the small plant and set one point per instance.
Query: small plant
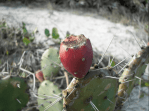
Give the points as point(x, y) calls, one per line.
point(3, 24)
point(7, 52)
point(27, 38)
point(67, 34)
point(26, 41)
point(147, 84)
point(47, 32)
point(112, 63)
point(55, 34)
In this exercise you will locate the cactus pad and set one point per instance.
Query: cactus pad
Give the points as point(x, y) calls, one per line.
point(46, 91)
point(132, 72)
point(48, 67)
point(12, 94)
point(95, 88)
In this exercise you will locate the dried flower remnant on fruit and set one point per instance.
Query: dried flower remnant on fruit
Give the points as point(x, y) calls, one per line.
point(74, 41)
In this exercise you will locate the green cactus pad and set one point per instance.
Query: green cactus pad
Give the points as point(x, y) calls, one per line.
point(46, 89)
point(99, 90)
point(48, 67)
point(12, 94)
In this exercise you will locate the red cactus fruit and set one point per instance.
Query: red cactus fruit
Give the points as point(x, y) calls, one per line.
point(39, 75)
point(76, 55)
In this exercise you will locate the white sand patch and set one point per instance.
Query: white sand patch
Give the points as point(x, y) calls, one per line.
point(100, 31)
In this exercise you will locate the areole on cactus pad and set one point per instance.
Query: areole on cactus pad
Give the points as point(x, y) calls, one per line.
point(76, 55)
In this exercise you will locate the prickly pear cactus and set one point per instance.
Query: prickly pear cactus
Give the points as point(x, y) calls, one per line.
point(96, 90)
point(12, 94)
point(47, 94)
point(132, 73)
point(106, 92)
point(48, 67)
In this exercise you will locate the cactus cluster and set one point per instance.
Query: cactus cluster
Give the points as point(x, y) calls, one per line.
point(101, 89)
point(92, 88)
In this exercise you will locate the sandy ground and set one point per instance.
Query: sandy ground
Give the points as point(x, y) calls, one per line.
point(98, 29)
